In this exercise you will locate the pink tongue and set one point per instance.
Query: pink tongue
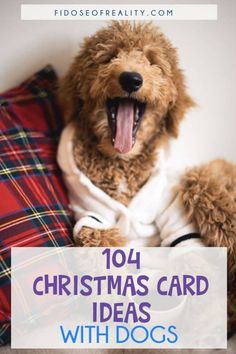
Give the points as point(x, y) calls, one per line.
point(124, 127)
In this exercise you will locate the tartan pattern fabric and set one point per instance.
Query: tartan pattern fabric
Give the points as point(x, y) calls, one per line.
point(33, 201)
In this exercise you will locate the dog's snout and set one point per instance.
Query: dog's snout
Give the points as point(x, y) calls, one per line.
point(130, 81)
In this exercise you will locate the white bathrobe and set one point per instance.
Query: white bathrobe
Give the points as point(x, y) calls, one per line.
point(155, 216)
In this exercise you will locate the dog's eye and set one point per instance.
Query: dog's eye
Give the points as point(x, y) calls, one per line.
point(104, 53)
point(151, 62)
point(151, 57)
point(154, 62)
point(157, 58)
point(159, 62)
point(103, 58)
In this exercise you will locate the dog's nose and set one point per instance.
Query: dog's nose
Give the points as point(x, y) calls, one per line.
point(130, 81)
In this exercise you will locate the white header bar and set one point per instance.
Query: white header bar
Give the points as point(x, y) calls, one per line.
point(79, 297)
point(118, 12)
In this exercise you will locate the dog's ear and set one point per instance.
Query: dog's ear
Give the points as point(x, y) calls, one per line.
point(179, 106)
point(165, 56)
point(68, 94)
point(72, 88)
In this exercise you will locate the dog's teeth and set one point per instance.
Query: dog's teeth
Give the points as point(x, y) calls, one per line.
point(113, 115)
point(113, 140)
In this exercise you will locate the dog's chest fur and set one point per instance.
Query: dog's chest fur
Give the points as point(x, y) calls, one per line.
point(119, 178)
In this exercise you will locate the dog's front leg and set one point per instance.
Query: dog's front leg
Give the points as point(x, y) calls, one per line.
point(90, 237)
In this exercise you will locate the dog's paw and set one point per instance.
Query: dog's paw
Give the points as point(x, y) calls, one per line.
point(88, 237)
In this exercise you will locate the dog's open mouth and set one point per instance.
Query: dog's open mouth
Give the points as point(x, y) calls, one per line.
point(124, 116)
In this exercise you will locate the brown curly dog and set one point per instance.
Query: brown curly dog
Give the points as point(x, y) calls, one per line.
point(132, 67)
point(126, 95)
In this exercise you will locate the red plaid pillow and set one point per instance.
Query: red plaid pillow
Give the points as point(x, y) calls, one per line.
point(33, 201)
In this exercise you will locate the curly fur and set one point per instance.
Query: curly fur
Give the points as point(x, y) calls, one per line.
point(209, 195)
point(100, 238)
